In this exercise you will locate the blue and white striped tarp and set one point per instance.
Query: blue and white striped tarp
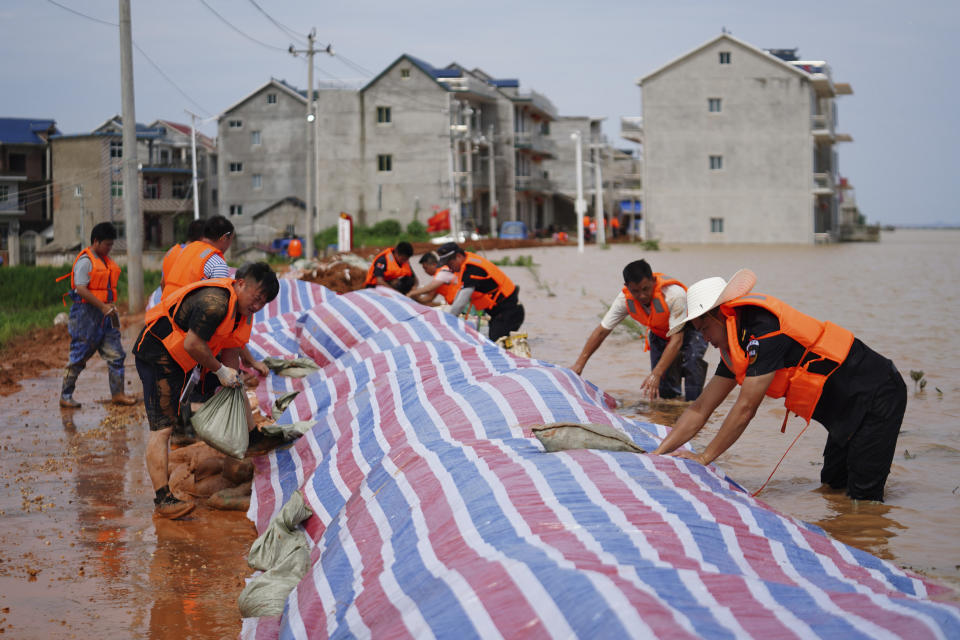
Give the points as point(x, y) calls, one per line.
point(437, 513)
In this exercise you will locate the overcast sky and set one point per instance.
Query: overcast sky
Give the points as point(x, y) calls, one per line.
point(584, 56)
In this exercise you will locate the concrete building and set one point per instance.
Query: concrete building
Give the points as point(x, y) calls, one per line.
point(739, 146)
point(414, 140)
point(25, 189)
point(88, 183)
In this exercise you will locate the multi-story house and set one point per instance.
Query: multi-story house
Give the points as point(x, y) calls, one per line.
point(413, 140)
point(739, 146)
point(88, 182)
point(25, 202)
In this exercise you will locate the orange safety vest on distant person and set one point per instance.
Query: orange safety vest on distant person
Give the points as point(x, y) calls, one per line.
point(188, 267)
point(657, 320)
point(800, 387)
point(295, 248)
point(393, 271)
point(104, 275)
point(171, 256)
point(228, 334)
point(489, 299)
point(449, 289)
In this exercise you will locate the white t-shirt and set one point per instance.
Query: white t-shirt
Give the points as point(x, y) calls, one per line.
point(216, 267)
point(675, 296)
point(81, 271)
point(444, 276)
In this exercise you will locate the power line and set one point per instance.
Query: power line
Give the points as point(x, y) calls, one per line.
point(248, 37)
point(142, 52)
point(286, 30)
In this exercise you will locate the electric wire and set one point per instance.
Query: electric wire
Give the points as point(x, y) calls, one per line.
point(287, 30)
point(248, 37)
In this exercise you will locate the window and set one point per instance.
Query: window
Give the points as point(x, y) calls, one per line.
point(716, 162)
point(713, 104)
point(181, 189)
point(4, 192)
point(404, 73)
point(254, 137)
point(545, 128)
point(384, 162)
point(213, 197)
point(151, 188)
point(383, 115)
point(164, 156)
point(235, 124)
point(236, 167)
point(116, 149)
point(18, 162)
point(116, 188)
point(716, 225)
point(257, 180)
point(271, 98)
point(724, 57)
point(236, 209)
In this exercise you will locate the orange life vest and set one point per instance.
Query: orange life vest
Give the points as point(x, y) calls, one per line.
point(657, 320)
point(295, 248)
point(188, 267)
point(449, 289)
point(490, 299)
point(393, 271)
point(225, 335)
point(171, 256)
point(104, 275)
point(800, 387)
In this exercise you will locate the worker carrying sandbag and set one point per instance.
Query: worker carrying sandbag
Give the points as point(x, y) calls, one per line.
point(189, 328)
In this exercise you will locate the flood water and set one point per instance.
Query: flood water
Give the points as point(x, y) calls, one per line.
point(898, 296)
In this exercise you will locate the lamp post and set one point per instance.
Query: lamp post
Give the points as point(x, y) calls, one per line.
point(580, 204)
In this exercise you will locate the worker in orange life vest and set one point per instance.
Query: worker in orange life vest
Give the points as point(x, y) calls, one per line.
point(190, 327)
point(194, 233)
point(94, 323)
point(199, 259)
point(391, 268)
point(657, 303)
point(444, 281)
point(486, 287)
point(820, 369)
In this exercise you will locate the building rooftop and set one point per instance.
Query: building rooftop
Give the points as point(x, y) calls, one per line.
point(26, 130)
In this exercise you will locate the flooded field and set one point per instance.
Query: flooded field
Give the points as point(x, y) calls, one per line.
point(81, 555)
point(898, 296)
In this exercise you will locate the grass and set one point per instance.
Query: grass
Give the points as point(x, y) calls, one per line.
point(385, 233)
point(30, 297)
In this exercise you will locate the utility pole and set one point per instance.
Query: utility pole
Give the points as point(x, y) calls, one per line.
point(468, 143)
point(131, 187)
point(581, 204)
point(311, 144)
point(598, 195)
point(193, 156)
point(454, 183)
point(493, 187)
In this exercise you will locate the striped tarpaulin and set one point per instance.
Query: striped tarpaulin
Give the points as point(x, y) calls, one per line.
point(437, 513)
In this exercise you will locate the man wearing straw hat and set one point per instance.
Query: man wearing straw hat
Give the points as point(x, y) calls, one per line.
point(820, 369)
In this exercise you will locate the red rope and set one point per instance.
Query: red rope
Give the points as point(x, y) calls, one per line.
point(757, 492)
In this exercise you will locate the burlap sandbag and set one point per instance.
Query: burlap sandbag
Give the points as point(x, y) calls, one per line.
point(222, 422)
point(561, 436)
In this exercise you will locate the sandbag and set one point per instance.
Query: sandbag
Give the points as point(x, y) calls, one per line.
point(222, 422)
point(288, 431)
point(291, 368)
point(281, 403)
point(283, 555)
point(561, 436)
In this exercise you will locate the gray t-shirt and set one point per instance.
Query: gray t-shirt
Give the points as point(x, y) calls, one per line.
point(81, 271)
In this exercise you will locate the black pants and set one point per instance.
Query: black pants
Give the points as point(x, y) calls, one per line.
point(862, 463)
point(506, 316)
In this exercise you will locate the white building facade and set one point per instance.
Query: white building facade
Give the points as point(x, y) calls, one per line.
point(739, 146)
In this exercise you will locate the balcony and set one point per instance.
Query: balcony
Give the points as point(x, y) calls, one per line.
point(534, 183)
point(631, 128)
point(538, 102)
point(823, 184)
point(820, 128)
point(535, 142)
point(470, 85)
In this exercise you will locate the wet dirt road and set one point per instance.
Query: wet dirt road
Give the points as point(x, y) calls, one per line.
point(81, 554)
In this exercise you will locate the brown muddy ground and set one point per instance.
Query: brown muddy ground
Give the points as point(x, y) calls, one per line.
point(81, 554)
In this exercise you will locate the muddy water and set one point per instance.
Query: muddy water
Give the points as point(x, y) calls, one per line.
point(899, 296)
point(80, 554)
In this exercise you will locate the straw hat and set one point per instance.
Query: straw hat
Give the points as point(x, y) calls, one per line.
point(710, 293)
